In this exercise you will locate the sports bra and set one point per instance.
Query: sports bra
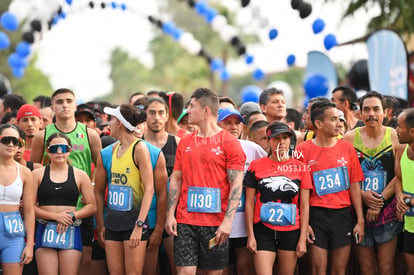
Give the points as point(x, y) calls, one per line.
point(12, 193)
point(54, 193)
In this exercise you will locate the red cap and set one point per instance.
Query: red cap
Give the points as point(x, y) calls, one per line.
point(28, 110)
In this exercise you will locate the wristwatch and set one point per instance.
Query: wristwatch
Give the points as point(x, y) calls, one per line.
point(140, 223)
point(73, 216)
point(381, 196)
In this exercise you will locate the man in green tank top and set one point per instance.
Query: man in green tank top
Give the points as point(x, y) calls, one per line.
point(86, 146)
point(404, 186)
point(376, 146)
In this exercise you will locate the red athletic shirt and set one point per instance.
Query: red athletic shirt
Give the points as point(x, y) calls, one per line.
point(277, 182)
point(322, 158)
point(204, 163)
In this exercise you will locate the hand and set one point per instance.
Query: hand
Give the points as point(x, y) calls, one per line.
point(360, 228)
point(301, 248)
point(223, 232)
point(64, 218)
point(171, 225)
point(155, 240)
point(372, 200)
point(27, 255)
point(101, 236)
point(401, 205)
point(135, 237)
point(251, 245)
point(372, 215)
point(311, 235)
point(60, 228)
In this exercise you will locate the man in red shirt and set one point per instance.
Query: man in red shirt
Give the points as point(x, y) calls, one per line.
point(205, 190)
point(336, 176)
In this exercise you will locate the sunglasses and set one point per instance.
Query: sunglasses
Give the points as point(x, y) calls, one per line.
point(64, 148)
point(14, 140)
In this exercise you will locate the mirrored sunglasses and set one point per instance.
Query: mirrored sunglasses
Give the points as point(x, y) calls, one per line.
point(53, 149)
point(14, 140)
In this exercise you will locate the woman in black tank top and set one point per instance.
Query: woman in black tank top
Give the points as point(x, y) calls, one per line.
point(58, 186)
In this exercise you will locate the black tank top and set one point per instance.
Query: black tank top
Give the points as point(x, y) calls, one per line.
point(29, 164)
point(64, 193)
point(169, 150)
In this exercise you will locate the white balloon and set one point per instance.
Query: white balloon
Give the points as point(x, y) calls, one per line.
point(227, 33)
point(286, 89)
point(185, 39)
point(255, 11)
point(193, 48)
point(19, 9)
point(243, 17)
point(263, 22)
point(218, 22)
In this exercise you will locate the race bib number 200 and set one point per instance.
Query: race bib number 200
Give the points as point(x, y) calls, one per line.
point(120, 197)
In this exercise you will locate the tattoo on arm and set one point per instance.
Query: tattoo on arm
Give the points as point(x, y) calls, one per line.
point(171, 198)
point(232, 174)
point(234, 196)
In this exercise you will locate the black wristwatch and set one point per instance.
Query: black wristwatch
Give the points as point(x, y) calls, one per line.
point(140, 223)
point(73, 216)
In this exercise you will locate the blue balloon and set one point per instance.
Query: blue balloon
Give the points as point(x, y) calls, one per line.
point(200, 7)
point(15, 61)
point(18, 72)
point(69, 2)
point(250, 93)
point(210, 14)
point(4, 41)
point(113, 5)
point(258, 74)
point(316, 85)
point(330, 41)
point(63, 15)
point(23, 49)
point(224, 75)
point(291, 60)
point(249, 59)
point(273, 34)
point(216, 64)
point(177, 34)
point(318, 26)
point(123, 7)
point(9, 21)
point(168, 28)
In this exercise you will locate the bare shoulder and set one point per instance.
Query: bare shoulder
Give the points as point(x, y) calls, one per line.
point(349, 136)
point(80, 174)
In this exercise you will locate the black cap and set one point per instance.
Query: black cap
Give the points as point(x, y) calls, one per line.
point(276, 128)
point(84, 108)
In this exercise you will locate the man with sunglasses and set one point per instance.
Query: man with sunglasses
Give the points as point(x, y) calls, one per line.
point(86, 146)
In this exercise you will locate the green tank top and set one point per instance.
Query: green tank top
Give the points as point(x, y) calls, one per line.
point(407, 168)
point(80, 156)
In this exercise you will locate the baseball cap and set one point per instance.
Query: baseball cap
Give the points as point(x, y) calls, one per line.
point(276, 128)
point(225, 113)
point(28, 110)
point(116, 112)
point(83, 108)
point(183, 114)
point(248, 108)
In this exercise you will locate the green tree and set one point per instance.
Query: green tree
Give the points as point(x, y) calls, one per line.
point(395, 14)
point(34, 81)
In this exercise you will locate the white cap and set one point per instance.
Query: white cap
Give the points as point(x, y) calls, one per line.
point(116, 112)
